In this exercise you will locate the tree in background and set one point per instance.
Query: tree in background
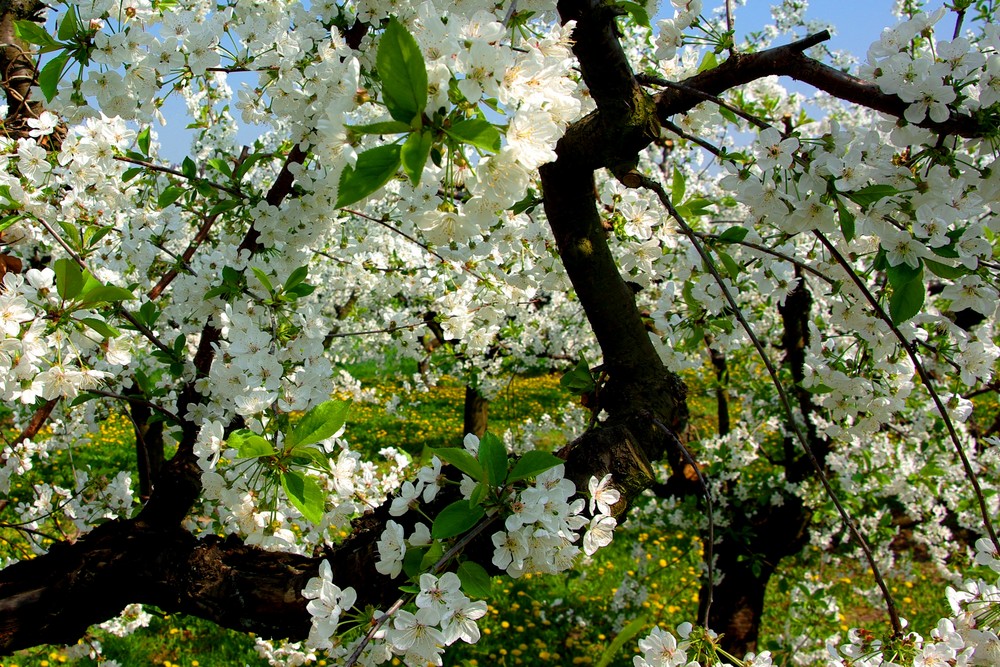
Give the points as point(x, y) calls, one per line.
point(526, 186)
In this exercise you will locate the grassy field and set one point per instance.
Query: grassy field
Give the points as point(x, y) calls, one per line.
point(565, 620)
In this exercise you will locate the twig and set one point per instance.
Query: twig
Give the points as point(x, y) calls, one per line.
point(897, 626)
point(666, 83)
point(925, 378)
point(174, 172)
point(437, 567)
point(169, 276)
point(413, 240)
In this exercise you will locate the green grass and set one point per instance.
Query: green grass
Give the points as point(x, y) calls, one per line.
point(560, 620)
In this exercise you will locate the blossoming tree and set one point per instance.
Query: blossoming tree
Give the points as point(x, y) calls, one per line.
point(523, 183)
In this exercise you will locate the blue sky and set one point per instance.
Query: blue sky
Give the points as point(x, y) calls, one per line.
point(857, 24)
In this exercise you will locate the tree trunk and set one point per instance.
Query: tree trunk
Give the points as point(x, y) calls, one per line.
point(475, 413)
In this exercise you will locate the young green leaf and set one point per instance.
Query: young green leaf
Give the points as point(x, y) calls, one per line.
point(579, 380)
point(104, 294)
point(869, 195)
point(475, 581)
point(68, 25)
point(533, 463)
point(249, 445)
point(374, 169)
point(101, 327)
point(678, 185)
point(32, 33)
point(455, 519)
point(69, 278)
point(319, 423)
point(414, 153)
point(461, 459)
point(476, 132)
point(906, 300)
point(404, 76)
point(143, 140)
point(734, 234)
point(493, 459)
point(48, 78)
point(846, 221)
point(305, 495)
point(622, 638)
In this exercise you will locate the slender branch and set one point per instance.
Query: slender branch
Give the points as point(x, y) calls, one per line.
point(666, 83)
point(139, 326)
point(400, 327)
point(455, 549)
point(127, 399)
point(413, 240)
point(773, 253)
point(174, 172)
point(925, 378)
point(170, 275)
point(897, 626)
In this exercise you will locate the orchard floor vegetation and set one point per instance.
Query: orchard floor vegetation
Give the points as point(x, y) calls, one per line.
point(567, 620)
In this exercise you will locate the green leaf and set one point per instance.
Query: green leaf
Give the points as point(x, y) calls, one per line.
point(105, 294)
point(247, 164)
point(579, 380)
point(414, 153)
point(9, 220)
point(220, 165)
point(533, 463)
point(386, 127)
point(101, 327)
point(846, 221)
point(404, 76)
point(249, 445)
point(319, 423)
point(374, 169)
point(35, 34)
point(68, 25)
point(677, 187)
point(734, 234)
point(902, 274)
point(637, 12)
point(143, 140)
point(906, 300)
point(869, 195)
point(189, 168)
point(69, 278)
point(432, 556)
point(732, 268)
point(169, 195)
point(48, 78)
point(708, 62)
point(455, 519)
point(493, 459)
point(263, 279)
point(623, 637)
point(477, 132)
point(306, 454)
point(296, 278)
point(475, 581)
point(729, 115)
point(944, 270)
point(305, 494)
point(223, 206)
point(412, 559)
point(461, 459)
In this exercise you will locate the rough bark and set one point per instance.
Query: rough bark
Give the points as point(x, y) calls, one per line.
point(475, 412)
